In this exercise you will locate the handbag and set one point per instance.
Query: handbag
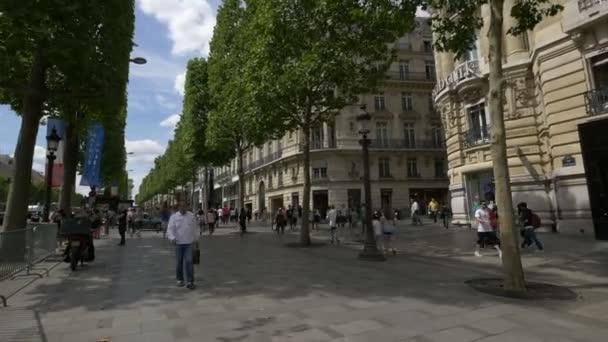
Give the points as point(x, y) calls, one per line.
point(196, 254)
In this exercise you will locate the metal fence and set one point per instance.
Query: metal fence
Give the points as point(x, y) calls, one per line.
point(22, 249)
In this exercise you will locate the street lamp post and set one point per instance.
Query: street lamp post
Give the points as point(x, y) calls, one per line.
point(138, 60)
point(52, 143)
point(370, 248)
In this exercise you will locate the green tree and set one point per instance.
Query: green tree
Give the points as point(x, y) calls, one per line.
point(456, 33)
point(50, 53)
point(234, 124)
point(313, 58)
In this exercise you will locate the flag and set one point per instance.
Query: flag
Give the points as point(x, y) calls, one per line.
point(92, 161)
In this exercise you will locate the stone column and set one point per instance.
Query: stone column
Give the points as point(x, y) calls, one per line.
point(514, 45)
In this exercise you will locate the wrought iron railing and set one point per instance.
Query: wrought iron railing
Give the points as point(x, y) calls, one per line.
point(411, 76)
point(477, 137)
point(584, 5)
point(407, 144)
point(318, 145)
point(596, 101)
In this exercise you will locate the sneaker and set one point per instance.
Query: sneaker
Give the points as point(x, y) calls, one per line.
point(180, 283)
point(190, 286)
point(477, 254)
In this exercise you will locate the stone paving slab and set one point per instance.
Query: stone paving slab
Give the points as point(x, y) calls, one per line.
point(255, 289)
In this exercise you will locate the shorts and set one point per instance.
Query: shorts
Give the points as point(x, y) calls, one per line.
point(487, 239)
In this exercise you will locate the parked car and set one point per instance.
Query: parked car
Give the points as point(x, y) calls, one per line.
point(149, 222)
point(35, 212)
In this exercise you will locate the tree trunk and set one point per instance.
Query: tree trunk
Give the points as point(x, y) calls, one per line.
point(511, 261)
point(70, 163)
point(241, 173)
point(20, 187)
point(305, 230)
point(12, 245)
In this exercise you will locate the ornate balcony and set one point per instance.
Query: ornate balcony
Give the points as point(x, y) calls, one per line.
point(406, 144)
point(596, 101)
point(410, 76)
point(477, 137)
point(462, 74)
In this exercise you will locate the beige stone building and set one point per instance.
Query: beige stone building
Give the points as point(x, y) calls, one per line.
point(556, 116)
point(407, 152)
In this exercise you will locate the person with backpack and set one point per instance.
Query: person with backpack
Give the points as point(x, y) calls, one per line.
point(529, 221)
point(281, 222)
point(290, 216)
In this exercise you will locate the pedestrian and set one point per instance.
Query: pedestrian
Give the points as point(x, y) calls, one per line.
point(486, 236)
point(200, 216)
point(122, 226)
point(377, 225)
point(281, 221)
point(342, 218)
point(211, 220)
point(415, 212)
point(290, 216)
point(446, 214)
point(395, 217)
point(316, 219)
point(529, 221)
point(388, 231)
point(219, 216)
point(226, 215)
point(165, 215)
point(434, 209)
point(182, 231)
point(243, 221)
point(248, 216)
point(332, 217)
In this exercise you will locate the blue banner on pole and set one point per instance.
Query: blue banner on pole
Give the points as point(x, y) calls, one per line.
point(92, 159)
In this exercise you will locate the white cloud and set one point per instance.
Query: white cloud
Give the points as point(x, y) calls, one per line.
point(190, 22)
point(180, 82)
point(421, 13)
point(170, 122)
point(39, 159)
point(145, 150)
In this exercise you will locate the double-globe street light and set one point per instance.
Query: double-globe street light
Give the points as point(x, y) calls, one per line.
point(52, 144)
point(370, 249)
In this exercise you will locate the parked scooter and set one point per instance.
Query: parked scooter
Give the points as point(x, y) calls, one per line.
point(80, 248)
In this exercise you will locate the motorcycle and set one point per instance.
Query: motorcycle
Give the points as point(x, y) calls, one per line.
point(80, 248)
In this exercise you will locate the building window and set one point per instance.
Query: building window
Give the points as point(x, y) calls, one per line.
point(406, 102)
point(429, 68)
point(384, 167)
point(440, 168)
point(412, 167)
point(430, 102)
point(437, 135)
point(279, 144)
point(260, 153)
point(478, 123)
point(319, 173)
point(269, 149)
point(290, 134)
point(331, 135)
point(428, 47)
point(409, 135)
point(269, 180)
point(317, 137)
point(379, 102)
point(280, 178)
point(404, 70)
point(250, 186)
point(382, 136)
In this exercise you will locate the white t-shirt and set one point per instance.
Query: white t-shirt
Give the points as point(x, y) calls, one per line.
point(483, 218)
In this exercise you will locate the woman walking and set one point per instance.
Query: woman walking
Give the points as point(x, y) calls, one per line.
point(122, 226)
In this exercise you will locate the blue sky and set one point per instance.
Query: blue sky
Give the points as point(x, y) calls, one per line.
point(168, 33)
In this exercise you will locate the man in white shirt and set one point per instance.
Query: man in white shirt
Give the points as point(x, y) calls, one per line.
point(486, 236)
point(332, 217)
point(415, 212)
point(183, 232)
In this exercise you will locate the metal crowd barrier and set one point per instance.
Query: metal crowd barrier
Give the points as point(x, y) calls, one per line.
point(21, 250)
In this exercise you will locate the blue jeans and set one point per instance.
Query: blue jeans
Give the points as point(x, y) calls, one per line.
point(529, 237)
point(184, 260)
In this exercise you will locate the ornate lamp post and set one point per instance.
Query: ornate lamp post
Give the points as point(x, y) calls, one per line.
point(52, 143)
point(370, 249)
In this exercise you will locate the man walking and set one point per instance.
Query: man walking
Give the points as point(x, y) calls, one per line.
point(183, 232)
point(165, 215)
point(434, 208)
point(122, 226)
point(211, 220)
point(486, 236)
point(415, 211)
point(527, 218)
point(332, 217)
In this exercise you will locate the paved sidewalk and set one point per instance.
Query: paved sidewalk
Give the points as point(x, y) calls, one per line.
point(255, 289)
